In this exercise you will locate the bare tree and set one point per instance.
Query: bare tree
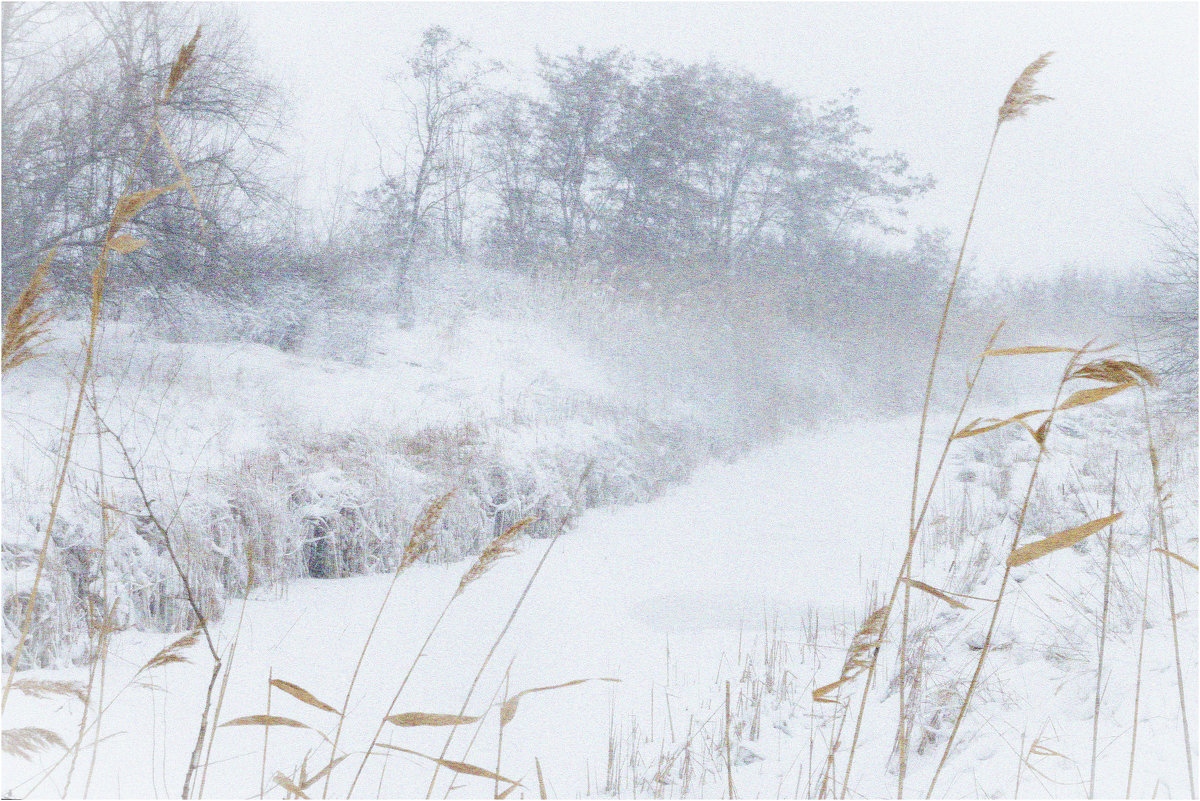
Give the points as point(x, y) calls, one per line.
point(1172, 316)
point(80, 91)
point(441, 94)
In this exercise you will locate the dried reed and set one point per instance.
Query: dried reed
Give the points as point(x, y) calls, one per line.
point(1019, 99)
point(26, 329)
point(418, 544)
point(1160, 508)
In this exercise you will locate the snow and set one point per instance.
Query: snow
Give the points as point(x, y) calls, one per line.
point(694, 572)
point(781, 531)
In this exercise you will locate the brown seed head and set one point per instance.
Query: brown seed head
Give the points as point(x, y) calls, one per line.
point(187, 55)
point(1021, 96)
point(497, 549)
point(423, 531)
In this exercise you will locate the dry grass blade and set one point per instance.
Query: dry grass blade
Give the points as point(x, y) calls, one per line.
point(25, 741)
point(430, 719)
point(42, 688)
point(859, 654)
point(124, 243)
point(266, 720)
point(1036, 550)
point(25, 329)
point(322, 772)
point(184, 179)
point(1116, 371)
point(541, 782)
point(173, 652)
point(974, 429)
point(1041, 750)
point(936, 593)
point(458, 767)
point(1174, 555)
point(497, 549)
point(509, 709)
point(288, 784)
point(1021, 96)
point(1029, 350)
point(302, 694)
point(1085, 396)
point(128, 207)
point(187, 54)
point(423, 531)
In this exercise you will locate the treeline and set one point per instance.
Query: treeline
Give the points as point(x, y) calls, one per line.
point(641, 167)
point(631, 170)
point(614, 163)
point(83, 105)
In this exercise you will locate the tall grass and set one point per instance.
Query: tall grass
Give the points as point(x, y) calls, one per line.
point(22, 327)
point(1021, 97)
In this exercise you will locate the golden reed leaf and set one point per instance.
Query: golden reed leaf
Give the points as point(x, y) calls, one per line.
point(936, 593)
point(321, 773)
point(1055, 542)
point(457, 767)
point(509, 709)
point(1085, 396)
point(124, 243)
point(1174, 555)
point(973, 428)
point(302, 694)
point(1116, 371)
point(430, 719)
point(1028, 350)
point(289, 785)
point(266, 720)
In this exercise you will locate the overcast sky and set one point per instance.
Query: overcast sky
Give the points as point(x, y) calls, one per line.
point(1067, 184)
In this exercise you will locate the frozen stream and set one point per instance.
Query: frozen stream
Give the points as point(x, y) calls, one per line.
point(659, 595)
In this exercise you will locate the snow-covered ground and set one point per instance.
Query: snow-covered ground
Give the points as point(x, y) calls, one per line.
point(755, 572)
point(800, 525)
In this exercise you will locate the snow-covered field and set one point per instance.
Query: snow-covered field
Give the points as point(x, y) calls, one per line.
point(754, 571)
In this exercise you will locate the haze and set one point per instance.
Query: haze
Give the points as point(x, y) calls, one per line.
point(1070, 189)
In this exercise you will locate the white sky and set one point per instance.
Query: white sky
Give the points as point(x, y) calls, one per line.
point(1067, 183)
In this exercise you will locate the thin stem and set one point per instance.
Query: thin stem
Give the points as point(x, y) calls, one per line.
point(728, 744)
point(508, 624)
point(1166, 562)
point(912, 539)
point(262, 776)
point(1137, 692)
point(337, 735)
point(500, 743)
point(1112, 509)
point(98, 276)
point(396, 697)
point(987, 640)
point(98, 630)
